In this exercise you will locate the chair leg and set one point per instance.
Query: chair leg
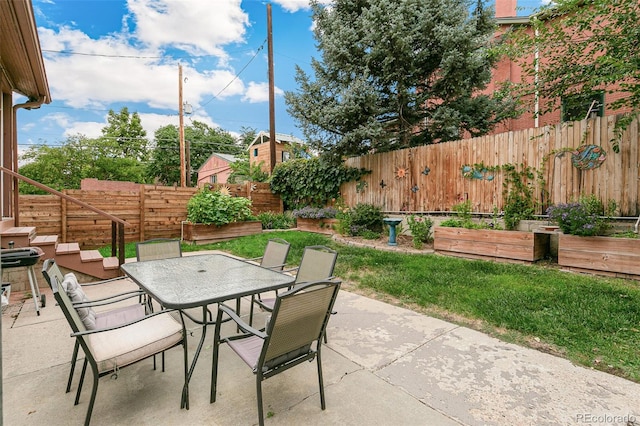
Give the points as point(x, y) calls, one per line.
point(214, 366)
point(253, 301)
point(74, 357)
point(320, 381)
point(163, 362)
point(94, 391)
point(84, 370)
point(259, 395)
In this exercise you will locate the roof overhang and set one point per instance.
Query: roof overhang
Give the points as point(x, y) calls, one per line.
point(21, 59)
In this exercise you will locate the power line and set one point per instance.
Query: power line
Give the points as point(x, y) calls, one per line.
point(234, 78)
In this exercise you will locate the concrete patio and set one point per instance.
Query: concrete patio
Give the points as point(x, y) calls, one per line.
point(382, 365)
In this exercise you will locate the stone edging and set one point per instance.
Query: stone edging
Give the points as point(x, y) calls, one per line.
point(398, 249)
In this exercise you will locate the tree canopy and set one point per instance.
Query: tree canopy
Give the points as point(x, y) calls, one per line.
point(585, 47)
point(396, 73)
point(117, 155)
point(164, 165)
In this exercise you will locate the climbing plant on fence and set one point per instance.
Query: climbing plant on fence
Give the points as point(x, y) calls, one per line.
point(311, 182)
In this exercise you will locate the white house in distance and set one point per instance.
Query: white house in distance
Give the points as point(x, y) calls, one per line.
point(216, 169)
point(259, 149)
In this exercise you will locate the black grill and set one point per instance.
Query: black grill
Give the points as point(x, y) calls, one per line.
point(16, 257)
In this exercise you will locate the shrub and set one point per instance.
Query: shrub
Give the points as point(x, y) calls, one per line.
point(363, 219)
point(583, 218)
point(272, 220)
point(420, 228)
point(213, 207)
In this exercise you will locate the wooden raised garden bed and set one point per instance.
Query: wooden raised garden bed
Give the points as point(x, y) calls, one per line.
point(198, 233)
point(322, 226)
point(618, 257)
point(515, 246)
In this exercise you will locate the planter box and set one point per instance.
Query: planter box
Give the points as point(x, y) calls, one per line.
point(619, 257)
point(322, 226)
point(198, 233)
point(521, 246)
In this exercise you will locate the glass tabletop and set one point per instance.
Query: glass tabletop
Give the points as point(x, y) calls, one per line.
point(190, 281)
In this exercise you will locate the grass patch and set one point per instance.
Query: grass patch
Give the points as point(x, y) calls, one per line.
point(590, 320)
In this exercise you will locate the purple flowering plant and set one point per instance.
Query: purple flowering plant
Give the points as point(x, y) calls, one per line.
point(582, 218)
point(309, 212)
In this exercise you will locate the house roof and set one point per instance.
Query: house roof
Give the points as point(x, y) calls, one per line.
point(20, 53)
point(263, 137)
point(226, 157)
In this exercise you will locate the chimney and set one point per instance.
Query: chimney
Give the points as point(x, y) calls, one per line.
point(506, 8)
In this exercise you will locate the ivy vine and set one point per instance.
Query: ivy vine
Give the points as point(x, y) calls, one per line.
point(311, 182)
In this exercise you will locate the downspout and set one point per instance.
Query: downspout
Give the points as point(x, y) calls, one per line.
point(16, 194)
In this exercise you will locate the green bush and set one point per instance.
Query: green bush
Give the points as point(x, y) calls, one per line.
point(361, 220)
point(213, 207)
point(272, 220)
point(420, 228)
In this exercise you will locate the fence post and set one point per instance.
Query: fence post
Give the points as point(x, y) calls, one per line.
point(142, 211)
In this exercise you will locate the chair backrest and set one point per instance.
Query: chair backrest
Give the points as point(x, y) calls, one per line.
point(317, 264)
point(159, 248)
point(54, 277)
point(51, 272)
point(275, 254)
point(299, 318)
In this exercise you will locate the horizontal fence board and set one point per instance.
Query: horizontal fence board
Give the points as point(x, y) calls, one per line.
point(152, 212)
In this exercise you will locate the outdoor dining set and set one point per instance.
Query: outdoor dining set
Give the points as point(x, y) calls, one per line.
point(176, 291)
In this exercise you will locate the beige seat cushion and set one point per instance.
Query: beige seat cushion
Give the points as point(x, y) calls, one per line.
point(123, 346)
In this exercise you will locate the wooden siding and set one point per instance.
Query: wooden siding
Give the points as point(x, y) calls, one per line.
point(545, 149)
point(152, 212)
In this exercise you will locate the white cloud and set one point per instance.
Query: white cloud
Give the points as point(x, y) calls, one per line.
point(296, 5)
point(259, 92)
point(194, 25)
point(90, 129)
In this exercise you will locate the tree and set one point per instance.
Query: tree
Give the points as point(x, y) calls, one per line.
point(124, 136)
point(585, 47)
point(60, 167)
point(396, 73)
point(203, 141)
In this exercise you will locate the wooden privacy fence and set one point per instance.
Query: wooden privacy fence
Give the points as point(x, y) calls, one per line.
point(433, 178)
point(152, 212)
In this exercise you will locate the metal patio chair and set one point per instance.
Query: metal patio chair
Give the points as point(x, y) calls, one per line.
point(298, 320)
point(317, 263)
point(274, 257)
point(109, 349)
point(96, 319)
point(158, 248)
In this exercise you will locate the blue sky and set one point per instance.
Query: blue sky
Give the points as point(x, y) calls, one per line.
point(107, 54)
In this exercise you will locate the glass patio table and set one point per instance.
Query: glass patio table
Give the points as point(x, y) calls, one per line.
point(197, 281)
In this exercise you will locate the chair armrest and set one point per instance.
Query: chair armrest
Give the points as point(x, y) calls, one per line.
point(110, 280)
point(292, 269)
point(109, 299)
point(253, 259)
point(241, 324)
point(115, 327)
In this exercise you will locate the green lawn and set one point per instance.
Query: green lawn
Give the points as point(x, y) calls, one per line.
point(590, 320)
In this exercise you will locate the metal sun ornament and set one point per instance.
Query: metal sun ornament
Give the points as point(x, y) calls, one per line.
point(401, 172)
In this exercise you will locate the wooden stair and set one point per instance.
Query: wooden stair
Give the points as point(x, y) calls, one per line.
point(67, 255)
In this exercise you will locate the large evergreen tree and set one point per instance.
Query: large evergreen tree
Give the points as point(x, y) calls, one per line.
point(396, 73)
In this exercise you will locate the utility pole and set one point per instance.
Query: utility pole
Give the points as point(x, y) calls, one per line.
point(272, 113)
point(181, 129)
